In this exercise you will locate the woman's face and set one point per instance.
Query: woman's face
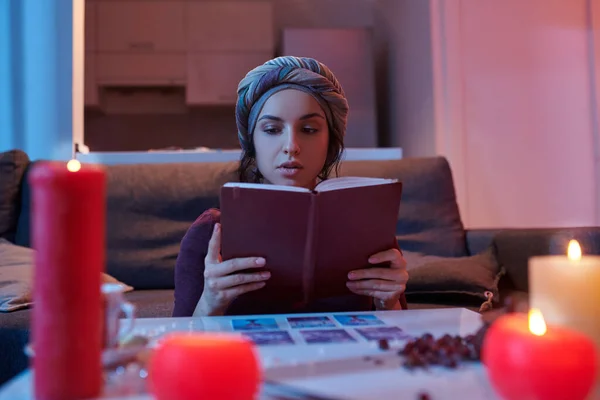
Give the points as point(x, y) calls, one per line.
point(291, 138)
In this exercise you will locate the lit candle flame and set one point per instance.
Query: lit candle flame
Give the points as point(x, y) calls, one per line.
point(574, 250)
point(73, 165)
point(537, 325)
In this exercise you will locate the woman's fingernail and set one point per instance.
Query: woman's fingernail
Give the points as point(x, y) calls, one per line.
point(372, 259)
point(351, 275)
point(260, 261)
point(265, 274)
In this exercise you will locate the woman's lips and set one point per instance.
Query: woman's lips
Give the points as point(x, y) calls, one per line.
point(289, 172)
point(290, 169)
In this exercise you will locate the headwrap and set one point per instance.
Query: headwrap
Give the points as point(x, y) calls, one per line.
point(305, 74)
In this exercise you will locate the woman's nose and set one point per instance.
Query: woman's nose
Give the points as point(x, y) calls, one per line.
point(291, 145)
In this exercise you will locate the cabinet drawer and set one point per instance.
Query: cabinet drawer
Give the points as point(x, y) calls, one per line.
point(212, 78)
point(230, 26)
point(140, 69)
point(141, 26)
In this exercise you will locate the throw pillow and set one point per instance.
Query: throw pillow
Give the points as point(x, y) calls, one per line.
point(16, 277)
point(476, 275)
point(12, 167)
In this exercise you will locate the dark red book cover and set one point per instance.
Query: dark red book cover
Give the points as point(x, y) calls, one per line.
point(310, 239)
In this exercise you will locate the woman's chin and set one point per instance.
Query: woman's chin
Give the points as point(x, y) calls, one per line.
point(290, 182)
point(296, 180)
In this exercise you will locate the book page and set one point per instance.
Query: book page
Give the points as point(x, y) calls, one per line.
point(346, 182)
point(266, 186)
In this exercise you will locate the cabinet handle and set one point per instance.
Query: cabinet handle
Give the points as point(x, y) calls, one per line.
point(141, 45)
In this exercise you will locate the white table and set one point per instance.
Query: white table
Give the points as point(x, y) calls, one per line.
point(338, 371)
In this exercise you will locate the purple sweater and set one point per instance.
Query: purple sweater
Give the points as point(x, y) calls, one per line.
point(189, 280)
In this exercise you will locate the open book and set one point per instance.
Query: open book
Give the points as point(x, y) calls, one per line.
point(310, 239)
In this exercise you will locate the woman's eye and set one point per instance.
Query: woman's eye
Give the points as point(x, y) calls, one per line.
point(308, 129)
point(271, 130)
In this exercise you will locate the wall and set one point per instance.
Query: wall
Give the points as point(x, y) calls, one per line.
point(404, 83)
point(36, 78)
point(6, 102)
point(516, 110)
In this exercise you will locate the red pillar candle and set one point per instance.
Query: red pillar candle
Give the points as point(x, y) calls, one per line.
point(191, 366)
point(527, 360)
point(68, 234)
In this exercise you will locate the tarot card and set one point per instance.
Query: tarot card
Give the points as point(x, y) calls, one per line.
point(359, 320)
point(255, 324)
point(269, 337)
point(383, 332)
point(310, 322)
point(327, 336)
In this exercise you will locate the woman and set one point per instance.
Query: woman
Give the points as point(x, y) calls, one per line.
point(291, 118)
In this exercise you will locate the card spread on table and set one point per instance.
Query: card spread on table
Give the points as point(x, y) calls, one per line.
point(269, 337)
point(383, 332)
point(327, 336)
point(359, 320)
point(255, 324)
point(310, 322)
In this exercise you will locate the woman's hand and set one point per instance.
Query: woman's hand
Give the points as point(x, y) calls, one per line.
point(384, 284)
point(222, 280)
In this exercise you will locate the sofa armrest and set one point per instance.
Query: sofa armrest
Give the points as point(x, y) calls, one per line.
point(514, 247)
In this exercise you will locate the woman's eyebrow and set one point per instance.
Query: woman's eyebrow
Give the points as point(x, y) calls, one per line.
point(272, 117)
point(302, 118)
point(311, 115)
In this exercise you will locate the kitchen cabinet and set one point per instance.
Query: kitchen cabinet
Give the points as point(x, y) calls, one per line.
point(225, 26)
point(140, 69)
point(206, 46)
point(212, 78)
point(353, 65)
point(140, 26)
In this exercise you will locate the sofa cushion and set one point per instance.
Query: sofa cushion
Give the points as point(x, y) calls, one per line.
point(150, 208)
point(12, 167)
point(16, 277)
point(472, 277)
point(428, 220)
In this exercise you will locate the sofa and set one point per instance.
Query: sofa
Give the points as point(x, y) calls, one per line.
point(150, 207)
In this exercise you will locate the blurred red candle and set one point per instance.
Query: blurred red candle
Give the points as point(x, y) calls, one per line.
point(68, 228)
point(527, 360)
point(204, 366)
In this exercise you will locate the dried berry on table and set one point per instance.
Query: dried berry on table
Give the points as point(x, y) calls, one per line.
point(447, 351)
point(450, 350)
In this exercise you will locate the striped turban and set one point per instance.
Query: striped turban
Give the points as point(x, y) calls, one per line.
point(305, 74)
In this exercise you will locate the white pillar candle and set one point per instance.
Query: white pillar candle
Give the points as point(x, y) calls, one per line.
point(566, 289)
